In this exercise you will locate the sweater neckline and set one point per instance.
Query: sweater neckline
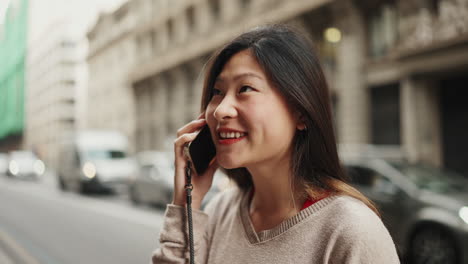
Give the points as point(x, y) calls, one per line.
point(264, 235)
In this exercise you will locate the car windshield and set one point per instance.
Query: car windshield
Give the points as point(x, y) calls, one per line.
point(3, 158)
point(433, 179)
point(104, 154)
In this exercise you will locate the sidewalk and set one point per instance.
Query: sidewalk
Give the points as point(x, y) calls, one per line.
point(12, 253)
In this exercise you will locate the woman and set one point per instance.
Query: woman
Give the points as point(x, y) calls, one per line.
point(267, 105)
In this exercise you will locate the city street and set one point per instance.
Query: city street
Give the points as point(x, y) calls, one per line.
point(53, 227)
point(320, 95)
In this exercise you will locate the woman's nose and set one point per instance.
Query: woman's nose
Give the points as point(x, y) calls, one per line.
point(225, 110)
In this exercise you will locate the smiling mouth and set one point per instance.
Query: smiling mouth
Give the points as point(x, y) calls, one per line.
point(227, 138)
point(231, 135)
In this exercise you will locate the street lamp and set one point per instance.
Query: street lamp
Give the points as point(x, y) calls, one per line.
point(332, 35)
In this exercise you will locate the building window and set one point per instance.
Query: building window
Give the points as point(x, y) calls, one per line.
point(170, 30)
point(69, 82)
point(215, 7)
point(67, 44)
point(154, 43)
point(383, 31)
point(434, 6)
point(245, 3)
point(385, 115)
point(191, 18)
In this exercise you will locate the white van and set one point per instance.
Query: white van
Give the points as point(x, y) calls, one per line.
point(95, 161)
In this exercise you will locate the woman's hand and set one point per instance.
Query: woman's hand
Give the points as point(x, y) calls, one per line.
point(201, 183)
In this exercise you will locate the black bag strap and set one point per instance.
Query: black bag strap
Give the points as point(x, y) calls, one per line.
point(188, 191)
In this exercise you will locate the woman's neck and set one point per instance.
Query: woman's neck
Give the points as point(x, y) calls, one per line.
point(275, 198)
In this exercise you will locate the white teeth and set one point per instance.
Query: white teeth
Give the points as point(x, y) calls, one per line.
point(225, 135)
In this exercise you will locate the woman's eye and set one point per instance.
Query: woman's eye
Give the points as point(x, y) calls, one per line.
point(216, 91)
point(245, 88)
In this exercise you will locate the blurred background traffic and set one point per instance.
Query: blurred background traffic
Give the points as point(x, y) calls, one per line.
point(92, 93)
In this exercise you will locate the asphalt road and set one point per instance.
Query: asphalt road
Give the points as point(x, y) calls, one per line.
point(54, 227)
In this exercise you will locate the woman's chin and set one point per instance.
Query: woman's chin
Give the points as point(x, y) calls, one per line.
point(228, 163)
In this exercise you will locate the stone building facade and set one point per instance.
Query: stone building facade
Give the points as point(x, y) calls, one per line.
point(396, 70)
point(56, 71)
point(111, 56)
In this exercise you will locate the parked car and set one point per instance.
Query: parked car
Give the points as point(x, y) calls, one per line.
point(25, 165)
point(3, 164)
point(155, 182)
point(424, 208)
point(95, 161)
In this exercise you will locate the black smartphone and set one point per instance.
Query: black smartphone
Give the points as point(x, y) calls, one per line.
point(202, 150)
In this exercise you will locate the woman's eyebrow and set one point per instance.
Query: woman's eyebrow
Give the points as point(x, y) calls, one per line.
point(239, 76)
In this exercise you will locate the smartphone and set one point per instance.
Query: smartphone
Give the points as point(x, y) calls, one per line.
point(202, 150)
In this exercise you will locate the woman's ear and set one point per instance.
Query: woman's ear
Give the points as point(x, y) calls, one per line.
point(301, 126)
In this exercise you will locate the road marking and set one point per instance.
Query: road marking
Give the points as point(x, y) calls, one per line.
point(15, 250)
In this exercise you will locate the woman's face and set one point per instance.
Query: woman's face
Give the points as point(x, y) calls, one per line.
point(250, 122)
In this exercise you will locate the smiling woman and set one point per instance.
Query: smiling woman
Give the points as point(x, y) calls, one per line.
point(267, 105)
point(244, 103)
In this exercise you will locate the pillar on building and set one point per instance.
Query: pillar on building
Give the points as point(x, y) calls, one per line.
point(162, 38)
point(353, 109)
point(203, 17)
point(138, 122)
point(196, 86)
point(146, 115)
point(128, 122)
point(229, 9)
point(259, 5)
point(421, 122)
point(181, 29)
point(160, 110)
point(177, 103)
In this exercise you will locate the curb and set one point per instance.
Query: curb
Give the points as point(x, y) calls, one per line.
point(13, 253)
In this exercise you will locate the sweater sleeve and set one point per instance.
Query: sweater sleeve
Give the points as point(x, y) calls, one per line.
point(174, 237)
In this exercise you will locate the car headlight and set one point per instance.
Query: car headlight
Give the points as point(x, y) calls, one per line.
point(13, 167)
point(89, 170)
point(39, 167)
point(463, 213)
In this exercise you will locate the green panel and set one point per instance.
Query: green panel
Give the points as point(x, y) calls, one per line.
point(13, 43)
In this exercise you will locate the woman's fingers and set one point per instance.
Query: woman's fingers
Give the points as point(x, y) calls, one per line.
point(185, 135)
point(182, 140)
point(180, 163)
point(191, 127)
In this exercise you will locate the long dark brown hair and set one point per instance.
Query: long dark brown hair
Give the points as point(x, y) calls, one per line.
point(291, 64)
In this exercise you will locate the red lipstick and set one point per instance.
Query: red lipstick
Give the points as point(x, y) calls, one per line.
point(228, 141)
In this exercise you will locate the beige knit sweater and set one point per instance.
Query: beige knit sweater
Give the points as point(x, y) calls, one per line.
point(337, 229)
